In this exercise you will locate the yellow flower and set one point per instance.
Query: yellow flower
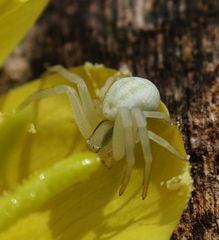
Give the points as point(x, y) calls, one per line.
point(54, 196)
point(52, 187)
point(16, 17)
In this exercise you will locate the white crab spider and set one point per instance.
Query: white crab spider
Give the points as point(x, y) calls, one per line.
point(118, 122)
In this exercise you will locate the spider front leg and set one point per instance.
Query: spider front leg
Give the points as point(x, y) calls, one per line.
point(86, 100)
point(77, 108)
point(127, 125)
point(146, 135)
point(118, 145)
point(141, 124)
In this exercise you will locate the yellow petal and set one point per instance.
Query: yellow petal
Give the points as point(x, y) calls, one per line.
point(11, 128)
point(16, 17)
point(44, 185)
point(90, 209)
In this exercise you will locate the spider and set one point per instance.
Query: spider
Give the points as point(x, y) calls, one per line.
point(119, 120)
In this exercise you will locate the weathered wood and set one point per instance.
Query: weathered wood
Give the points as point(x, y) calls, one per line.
point(174, 43)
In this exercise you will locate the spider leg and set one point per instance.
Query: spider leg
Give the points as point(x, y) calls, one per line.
point(77, 108)
point(129, 147)
point(144, 138)
point(118, 145)
point(158, 115)
point(86, 100)
point(159, 140)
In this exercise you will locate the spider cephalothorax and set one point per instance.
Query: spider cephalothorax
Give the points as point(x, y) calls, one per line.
point(119, 121)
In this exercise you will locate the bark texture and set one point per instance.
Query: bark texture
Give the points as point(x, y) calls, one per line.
point(175, 43)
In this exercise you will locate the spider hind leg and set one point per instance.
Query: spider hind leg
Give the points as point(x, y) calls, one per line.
point(162, 142)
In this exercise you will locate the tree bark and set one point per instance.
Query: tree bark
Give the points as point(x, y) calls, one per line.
point(175, 43)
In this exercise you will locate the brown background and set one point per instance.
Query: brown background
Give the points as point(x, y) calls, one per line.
point(174, 43)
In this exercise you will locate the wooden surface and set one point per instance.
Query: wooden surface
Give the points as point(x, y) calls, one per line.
point(173, 43)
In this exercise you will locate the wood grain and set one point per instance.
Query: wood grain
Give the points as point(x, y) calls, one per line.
point(174, 43)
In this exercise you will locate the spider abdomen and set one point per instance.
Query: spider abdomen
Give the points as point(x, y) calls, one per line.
point(130, 92)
